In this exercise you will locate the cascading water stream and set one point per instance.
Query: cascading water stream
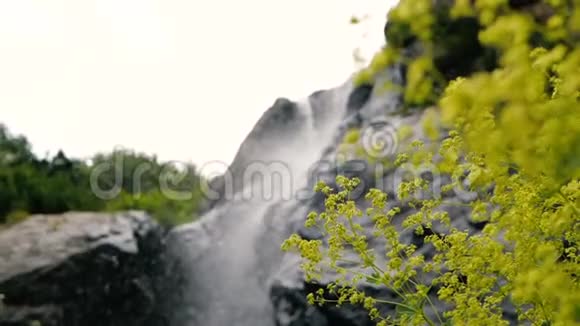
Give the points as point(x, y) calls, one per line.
point(226, 270)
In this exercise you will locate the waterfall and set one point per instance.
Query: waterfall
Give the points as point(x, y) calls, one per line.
point(226, 259)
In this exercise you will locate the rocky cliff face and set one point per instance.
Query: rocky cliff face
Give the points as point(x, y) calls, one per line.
point(81, 269)
point(236, 273)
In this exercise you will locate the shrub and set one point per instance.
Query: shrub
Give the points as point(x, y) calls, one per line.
point(515, 129)
point(167, 211)
point(16, 217)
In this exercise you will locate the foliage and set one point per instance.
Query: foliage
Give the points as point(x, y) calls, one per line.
point(40, 185)
point(148, 185)
point(16, 217)
point(166, 212)
point(29, 185)
point(514, 117)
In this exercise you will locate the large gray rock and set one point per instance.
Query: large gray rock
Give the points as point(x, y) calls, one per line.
point(81, 269)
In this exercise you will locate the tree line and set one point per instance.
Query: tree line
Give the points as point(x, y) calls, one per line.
point(33, 185)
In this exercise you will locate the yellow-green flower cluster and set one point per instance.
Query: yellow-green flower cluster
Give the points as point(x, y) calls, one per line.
point(514, 139)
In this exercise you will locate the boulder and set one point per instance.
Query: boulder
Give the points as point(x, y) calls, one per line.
point(81, 269)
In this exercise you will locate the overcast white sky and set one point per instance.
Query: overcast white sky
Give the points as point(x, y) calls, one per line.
point(183, 79)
